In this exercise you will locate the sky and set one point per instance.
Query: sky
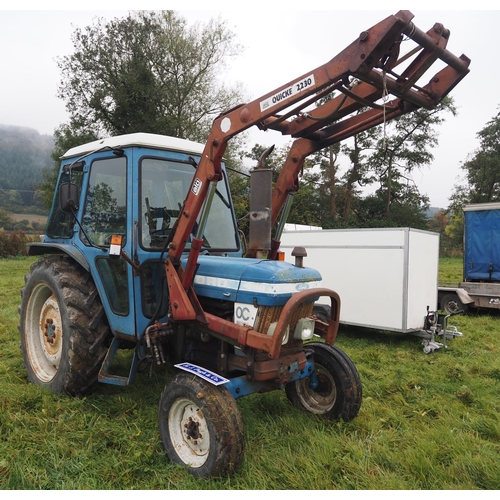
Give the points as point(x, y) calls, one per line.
point(280, 43)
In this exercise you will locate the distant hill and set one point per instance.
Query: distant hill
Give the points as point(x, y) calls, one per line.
point(432, 211)
point(24, 153)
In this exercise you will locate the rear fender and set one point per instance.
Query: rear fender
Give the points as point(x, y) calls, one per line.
point(57, 248)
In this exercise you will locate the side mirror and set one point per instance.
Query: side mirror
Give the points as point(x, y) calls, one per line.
point(68, 197)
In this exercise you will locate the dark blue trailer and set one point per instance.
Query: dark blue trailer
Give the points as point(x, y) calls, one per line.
point(481, 268)
point(482, 243)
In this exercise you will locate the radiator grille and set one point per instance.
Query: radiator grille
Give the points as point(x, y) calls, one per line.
point(268, 315)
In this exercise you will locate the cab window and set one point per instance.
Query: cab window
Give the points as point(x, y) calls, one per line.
point(106, 202)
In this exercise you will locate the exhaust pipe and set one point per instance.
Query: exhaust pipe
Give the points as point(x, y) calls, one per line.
point(260, 208)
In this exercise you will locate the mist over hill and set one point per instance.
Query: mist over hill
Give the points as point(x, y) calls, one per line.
point(24, 153)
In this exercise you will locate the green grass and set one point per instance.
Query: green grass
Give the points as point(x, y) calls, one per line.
point(427, 422)
point(450, 270)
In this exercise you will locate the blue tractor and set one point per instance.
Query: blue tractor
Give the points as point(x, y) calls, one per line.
point(142, 253)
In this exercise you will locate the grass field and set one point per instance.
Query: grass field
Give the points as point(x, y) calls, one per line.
point(41, 219)
point(450, 271)
point(427, 422)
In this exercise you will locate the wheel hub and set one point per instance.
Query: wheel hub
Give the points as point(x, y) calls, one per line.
point(43, 332)
point(50, 331)
point(193, 430)
point(50, 328)
point(189, 432)
point(322, 398)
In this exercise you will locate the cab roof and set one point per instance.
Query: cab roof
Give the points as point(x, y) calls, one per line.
point(141, 139)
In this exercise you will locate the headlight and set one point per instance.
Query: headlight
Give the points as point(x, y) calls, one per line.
point(304, 329)
point(272, 327)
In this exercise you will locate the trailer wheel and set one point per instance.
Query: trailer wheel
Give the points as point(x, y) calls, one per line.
point(451, 304)
point(201, 427)
point(339, 391)
point(62, 326)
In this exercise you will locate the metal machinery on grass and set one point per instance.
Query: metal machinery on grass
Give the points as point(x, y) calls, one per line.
point(142, 252)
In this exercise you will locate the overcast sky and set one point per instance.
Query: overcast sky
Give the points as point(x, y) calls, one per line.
point(281, 43)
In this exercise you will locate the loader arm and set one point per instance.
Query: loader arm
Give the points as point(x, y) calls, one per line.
point(350, 93)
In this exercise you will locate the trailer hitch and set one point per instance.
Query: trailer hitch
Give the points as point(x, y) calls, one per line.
point(436, 325)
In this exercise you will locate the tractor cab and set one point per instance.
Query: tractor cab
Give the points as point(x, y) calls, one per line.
point(133, 186)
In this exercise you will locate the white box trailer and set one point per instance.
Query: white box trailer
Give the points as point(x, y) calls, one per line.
point(386, 278)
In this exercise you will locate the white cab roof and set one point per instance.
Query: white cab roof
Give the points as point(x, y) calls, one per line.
point(139, 139)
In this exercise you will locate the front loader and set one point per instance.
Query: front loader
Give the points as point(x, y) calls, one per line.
point(142, 253)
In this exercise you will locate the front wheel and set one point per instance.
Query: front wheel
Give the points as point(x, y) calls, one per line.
point(322, 312)
point(338, 392)
point(201, 427)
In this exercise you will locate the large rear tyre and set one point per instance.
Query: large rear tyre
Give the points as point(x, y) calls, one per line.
point(62, 326)
point(338, 393)
point(201, 427)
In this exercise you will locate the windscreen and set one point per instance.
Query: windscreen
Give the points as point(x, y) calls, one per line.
point(164, 186)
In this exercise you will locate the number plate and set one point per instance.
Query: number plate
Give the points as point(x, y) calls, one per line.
point(203, 373)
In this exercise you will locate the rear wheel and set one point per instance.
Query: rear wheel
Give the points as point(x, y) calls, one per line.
point(62, 326)
point(451, 304)
point(201, 427)
point(338, 393)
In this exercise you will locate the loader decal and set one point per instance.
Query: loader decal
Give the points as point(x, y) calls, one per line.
point(197, 183)
point(292, 90)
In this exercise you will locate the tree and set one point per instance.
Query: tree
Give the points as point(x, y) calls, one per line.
point(439, 222)
point(357, 174)
point(148, 72)
point(328, 161)
point(6, 221)
point(442, 224)
point(406, 210)
point(482, 168)
point(481, 183)
point(455, 229)
point(23, 225)
point(14, 199)
point(405, 145)
point(382, 158)
point(65, 137)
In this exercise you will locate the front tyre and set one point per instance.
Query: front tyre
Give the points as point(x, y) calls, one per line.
point(338, 393)
point(201, 427)
point(322, 312)
point(62, 326)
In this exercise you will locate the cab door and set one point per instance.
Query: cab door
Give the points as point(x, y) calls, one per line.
point(107, 210)
point(163, 179)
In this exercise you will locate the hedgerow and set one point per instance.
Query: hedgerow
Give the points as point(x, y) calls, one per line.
point(13, 244)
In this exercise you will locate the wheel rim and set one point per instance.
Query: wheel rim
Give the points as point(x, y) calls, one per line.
point(189, 432)
point(322, 399)
point(43, 332)
point(453, 306)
